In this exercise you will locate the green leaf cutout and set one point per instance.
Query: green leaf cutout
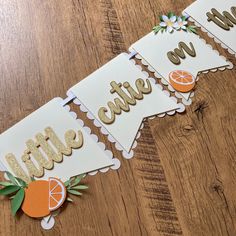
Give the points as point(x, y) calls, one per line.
point(170, 14)
point(162, 30)
point(192, 29)
point(81, 187)
point(11, 197)
point(17, 201)
point(69, 199)
point(21, 182)
point(11, 178)
point(156, 29)
point(32, 178)
point(188, 29)
point(6, 184)
point(9, 190)
point(67, 183)
point(74, 192)
point(77, 180)
point(73, 186)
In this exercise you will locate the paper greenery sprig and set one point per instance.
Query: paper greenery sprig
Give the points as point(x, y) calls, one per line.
point(72, 185)
point(15, 190)
point(171, 22)
point(18, 192)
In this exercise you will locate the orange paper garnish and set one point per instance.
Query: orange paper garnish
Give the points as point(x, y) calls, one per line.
point(42, 197)
point(182, 81)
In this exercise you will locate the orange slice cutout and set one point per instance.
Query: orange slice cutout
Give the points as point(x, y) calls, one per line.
point(182, 81)
point(42, 197)
point(57, 193)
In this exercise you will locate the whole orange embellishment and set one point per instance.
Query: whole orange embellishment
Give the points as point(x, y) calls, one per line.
point(182, 81)
point(43, 196)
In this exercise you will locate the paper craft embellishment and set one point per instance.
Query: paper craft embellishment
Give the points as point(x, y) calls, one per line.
point(52, 156)
point(46, 145)
point(218, 18)
point(40, 198)
point(120, 96)
point(43, 155)
point(52, 194)
point(117, 106)
point(171, 22)
point(182, 81)
point(180, 50)
point(47, 154)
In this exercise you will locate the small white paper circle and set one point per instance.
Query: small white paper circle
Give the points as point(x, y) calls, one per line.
point(116, 165)
point(48, 225)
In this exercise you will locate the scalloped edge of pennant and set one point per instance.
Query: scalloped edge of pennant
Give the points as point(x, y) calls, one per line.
point(188, 101)
point(49, 224)
point(109, 153)
point(164, 82)
point(129, 155)
point(224, 46)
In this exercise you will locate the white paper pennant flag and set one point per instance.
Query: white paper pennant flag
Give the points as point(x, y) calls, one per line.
point(50, 143)
point(158, 50)
point(119, 96)
point(218, 18)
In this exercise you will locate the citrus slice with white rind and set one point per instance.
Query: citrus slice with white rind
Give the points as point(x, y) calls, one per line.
point(43, 196)
point(182, 81)
point(57, 193)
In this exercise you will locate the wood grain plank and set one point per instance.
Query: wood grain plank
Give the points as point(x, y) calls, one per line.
point(155, 194)
point(197, 151)
point(51, 47)
point(48, 46)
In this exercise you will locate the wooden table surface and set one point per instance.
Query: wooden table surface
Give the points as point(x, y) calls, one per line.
point(182, 179)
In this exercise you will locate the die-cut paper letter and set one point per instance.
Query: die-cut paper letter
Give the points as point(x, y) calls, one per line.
point(180, 50)
point(50, 143)
point(218, 17)
point(119, 96)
